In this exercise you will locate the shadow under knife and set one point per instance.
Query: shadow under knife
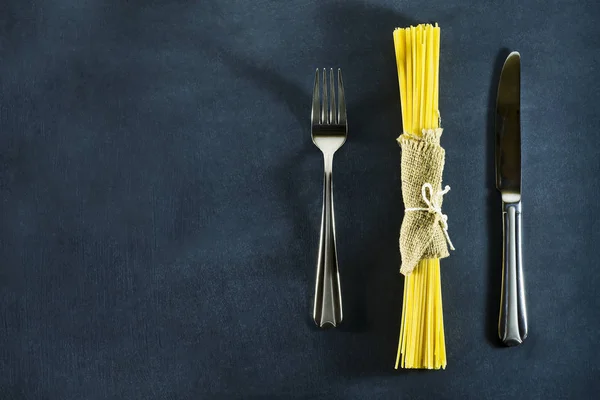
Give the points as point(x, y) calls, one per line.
point(494, 212)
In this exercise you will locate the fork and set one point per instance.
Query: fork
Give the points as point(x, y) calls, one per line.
point(329, 128)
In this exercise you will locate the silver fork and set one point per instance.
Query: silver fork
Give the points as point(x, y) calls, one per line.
point(329, 129)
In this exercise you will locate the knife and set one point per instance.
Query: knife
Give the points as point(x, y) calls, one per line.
point(512, 324)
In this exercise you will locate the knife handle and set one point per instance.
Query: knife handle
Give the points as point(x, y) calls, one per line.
point(512, 324)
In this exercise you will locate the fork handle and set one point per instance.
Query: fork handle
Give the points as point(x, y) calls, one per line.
point(328, 297)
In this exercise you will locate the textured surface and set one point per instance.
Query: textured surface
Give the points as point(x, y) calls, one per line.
point(423, 231)
point(160, 199)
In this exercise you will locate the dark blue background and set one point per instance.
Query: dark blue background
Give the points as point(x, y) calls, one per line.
point(160, 199)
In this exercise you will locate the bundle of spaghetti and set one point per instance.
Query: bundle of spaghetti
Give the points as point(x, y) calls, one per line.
point(424, 235)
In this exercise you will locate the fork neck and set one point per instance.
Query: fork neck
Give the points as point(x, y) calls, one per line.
point(328, 161)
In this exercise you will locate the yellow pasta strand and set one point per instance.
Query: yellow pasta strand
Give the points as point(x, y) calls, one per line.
point(421, 342)
point(429, 103)
point(436, 69)
point(406, 124)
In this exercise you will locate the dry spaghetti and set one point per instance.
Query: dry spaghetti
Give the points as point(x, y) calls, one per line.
point(424, 235)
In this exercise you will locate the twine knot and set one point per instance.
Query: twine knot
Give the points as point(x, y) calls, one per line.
point(433, 200)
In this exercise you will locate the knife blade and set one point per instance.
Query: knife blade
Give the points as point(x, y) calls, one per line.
point(512, 322)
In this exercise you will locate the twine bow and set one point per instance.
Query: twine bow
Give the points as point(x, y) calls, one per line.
point(433, 201)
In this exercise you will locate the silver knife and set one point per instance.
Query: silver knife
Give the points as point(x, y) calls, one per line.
point(512, 324)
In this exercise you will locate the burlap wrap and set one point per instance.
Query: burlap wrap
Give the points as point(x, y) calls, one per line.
point(421, 235)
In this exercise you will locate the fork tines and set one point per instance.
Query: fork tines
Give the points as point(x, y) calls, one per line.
point(325, 112)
